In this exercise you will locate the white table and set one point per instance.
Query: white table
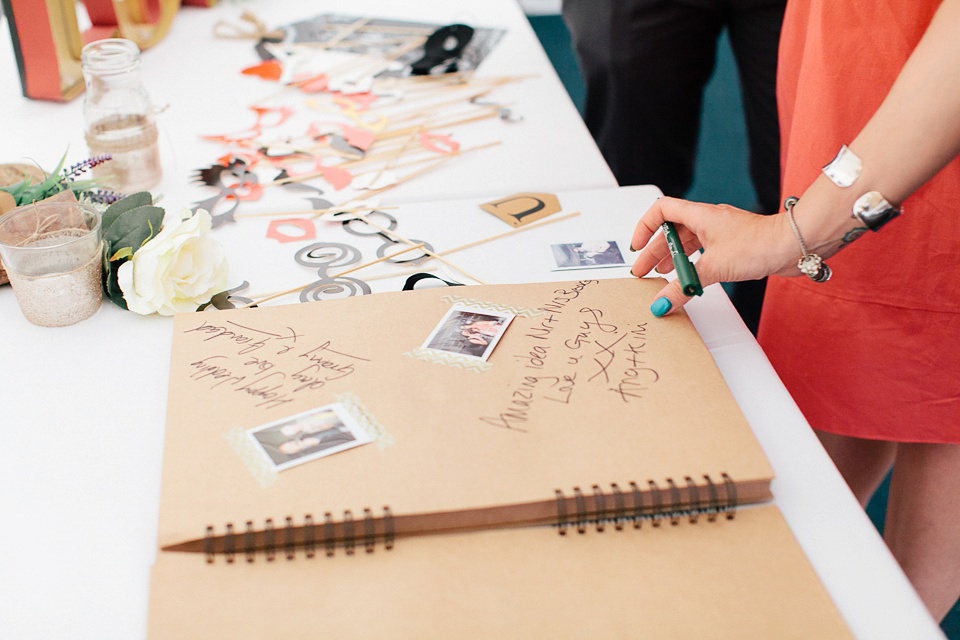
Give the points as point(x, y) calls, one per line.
point(82, 408)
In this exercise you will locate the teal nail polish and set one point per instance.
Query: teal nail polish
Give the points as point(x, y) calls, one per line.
point(660, 306)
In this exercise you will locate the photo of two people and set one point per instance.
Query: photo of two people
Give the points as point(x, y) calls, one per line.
point(469, 332)
point(306, 436)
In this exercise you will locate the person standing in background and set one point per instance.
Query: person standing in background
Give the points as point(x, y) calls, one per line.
point(869, 96)
point(646, 63)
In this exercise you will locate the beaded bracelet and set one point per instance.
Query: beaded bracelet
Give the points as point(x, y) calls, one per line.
point(810, 264)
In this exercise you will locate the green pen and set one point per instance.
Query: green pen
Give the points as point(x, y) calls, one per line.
point(686, 272)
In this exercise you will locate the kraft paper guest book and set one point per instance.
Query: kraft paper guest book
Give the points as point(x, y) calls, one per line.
point(728, 579)
point(587, 407)
point(588, 414)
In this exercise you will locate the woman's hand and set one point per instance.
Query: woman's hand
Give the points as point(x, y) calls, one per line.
point(737, 245)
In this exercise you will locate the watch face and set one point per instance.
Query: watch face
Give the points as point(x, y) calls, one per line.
point(873, 210)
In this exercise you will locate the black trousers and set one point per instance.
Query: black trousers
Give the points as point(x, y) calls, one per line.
point(646, 63)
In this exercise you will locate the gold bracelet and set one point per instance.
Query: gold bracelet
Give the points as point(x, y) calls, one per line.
point(810, 264)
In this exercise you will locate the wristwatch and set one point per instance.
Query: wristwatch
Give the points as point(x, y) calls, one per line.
point(873, 210)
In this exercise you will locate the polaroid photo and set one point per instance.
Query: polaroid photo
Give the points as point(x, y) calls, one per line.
point(307, 436)
point(587, 255)
point(469, 331)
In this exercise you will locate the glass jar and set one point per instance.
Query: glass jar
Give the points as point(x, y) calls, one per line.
point(118, 116)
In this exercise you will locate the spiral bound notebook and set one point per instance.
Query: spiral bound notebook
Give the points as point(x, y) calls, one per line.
point(587, 408)
point(739, 578)
point(580, 412)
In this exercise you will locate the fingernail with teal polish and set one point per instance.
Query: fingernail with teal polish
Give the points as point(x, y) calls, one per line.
point(660, 306)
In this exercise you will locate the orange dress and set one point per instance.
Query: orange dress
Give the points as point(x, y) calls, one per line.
point(874, 352)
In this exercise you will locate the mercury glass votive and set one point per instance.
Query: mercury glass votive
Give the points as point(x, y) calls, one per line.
point(52, 254)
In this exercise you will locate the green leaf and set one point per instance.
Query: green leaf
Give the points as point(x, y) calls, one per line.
point(29, 194)
point(129, 228)
point(152, 233)
point(84, 185)
point(127, 224)
point(123, 254)
point(120, 207)
point(53, 178)
point(56, 172)
point(111, 286)
point(16, 189)
point(133, 227)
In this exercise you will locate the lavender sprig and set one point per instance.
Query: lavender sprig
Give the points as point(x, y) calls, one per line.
point(103, 196)
point(74, 171)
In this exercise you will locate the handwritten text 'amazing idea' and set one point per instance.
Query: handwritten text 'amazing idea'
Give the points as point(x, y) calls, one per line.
point(557, 362)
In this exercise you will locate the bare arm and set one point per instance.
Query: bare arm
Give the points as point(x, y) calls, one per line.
point(914, 134)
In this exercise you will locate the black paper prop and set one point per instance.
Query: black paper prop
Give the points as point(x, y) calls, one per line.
point(506, 113)
point(315, 201)
point(357, 226)
point(232, 180)
point(379, 36)
point(416, 278)
point(442, 50)
point(226, 299)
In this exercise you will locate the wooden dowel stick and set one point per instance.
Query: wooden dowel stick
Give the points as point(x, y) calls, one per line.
point(375, 157)
point(371, 59)
point(436, 160)
point(410, 163)
point(426, 251)
point(406, 143)
point(345, 43)
point(386, 28)
point(311, 212)
point(398, 29)
point(508, 233)
point(275, 296)
point(382, 276)
point(461, 78)
point(492, 112)
point(436, 163)
point(345, 32)
point(386, 257)
point(342, 273)
point(408, 272)
point(433, 106)
point(430, 108)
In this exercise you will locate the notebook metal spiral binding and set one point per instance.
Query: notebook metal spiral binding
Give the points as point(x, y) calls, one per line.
point(270, 548)
point(691, 500)
point(347, 533)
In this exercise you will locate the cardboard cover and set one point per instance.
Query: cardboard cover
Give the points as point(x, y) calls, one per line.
point(587, 391)
point(740, 578)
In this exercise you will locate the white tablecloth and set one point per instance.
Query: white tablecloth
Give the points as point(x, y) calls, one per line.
point(82, 408)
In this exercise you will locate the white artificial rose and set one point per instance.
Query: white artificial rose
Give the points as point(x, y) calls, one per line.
point(177, 270)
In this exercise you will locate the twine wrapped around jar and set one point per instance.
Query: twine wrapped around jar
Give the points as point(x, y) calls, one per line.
point(6, 204)
point(53, 253)
point(119, 117)
point(63, 196)
point(11, 174)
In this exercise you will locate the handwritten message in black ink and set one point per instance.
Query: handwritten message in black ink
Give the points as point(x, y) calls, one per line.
point(267, 368)
point(572, 346)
